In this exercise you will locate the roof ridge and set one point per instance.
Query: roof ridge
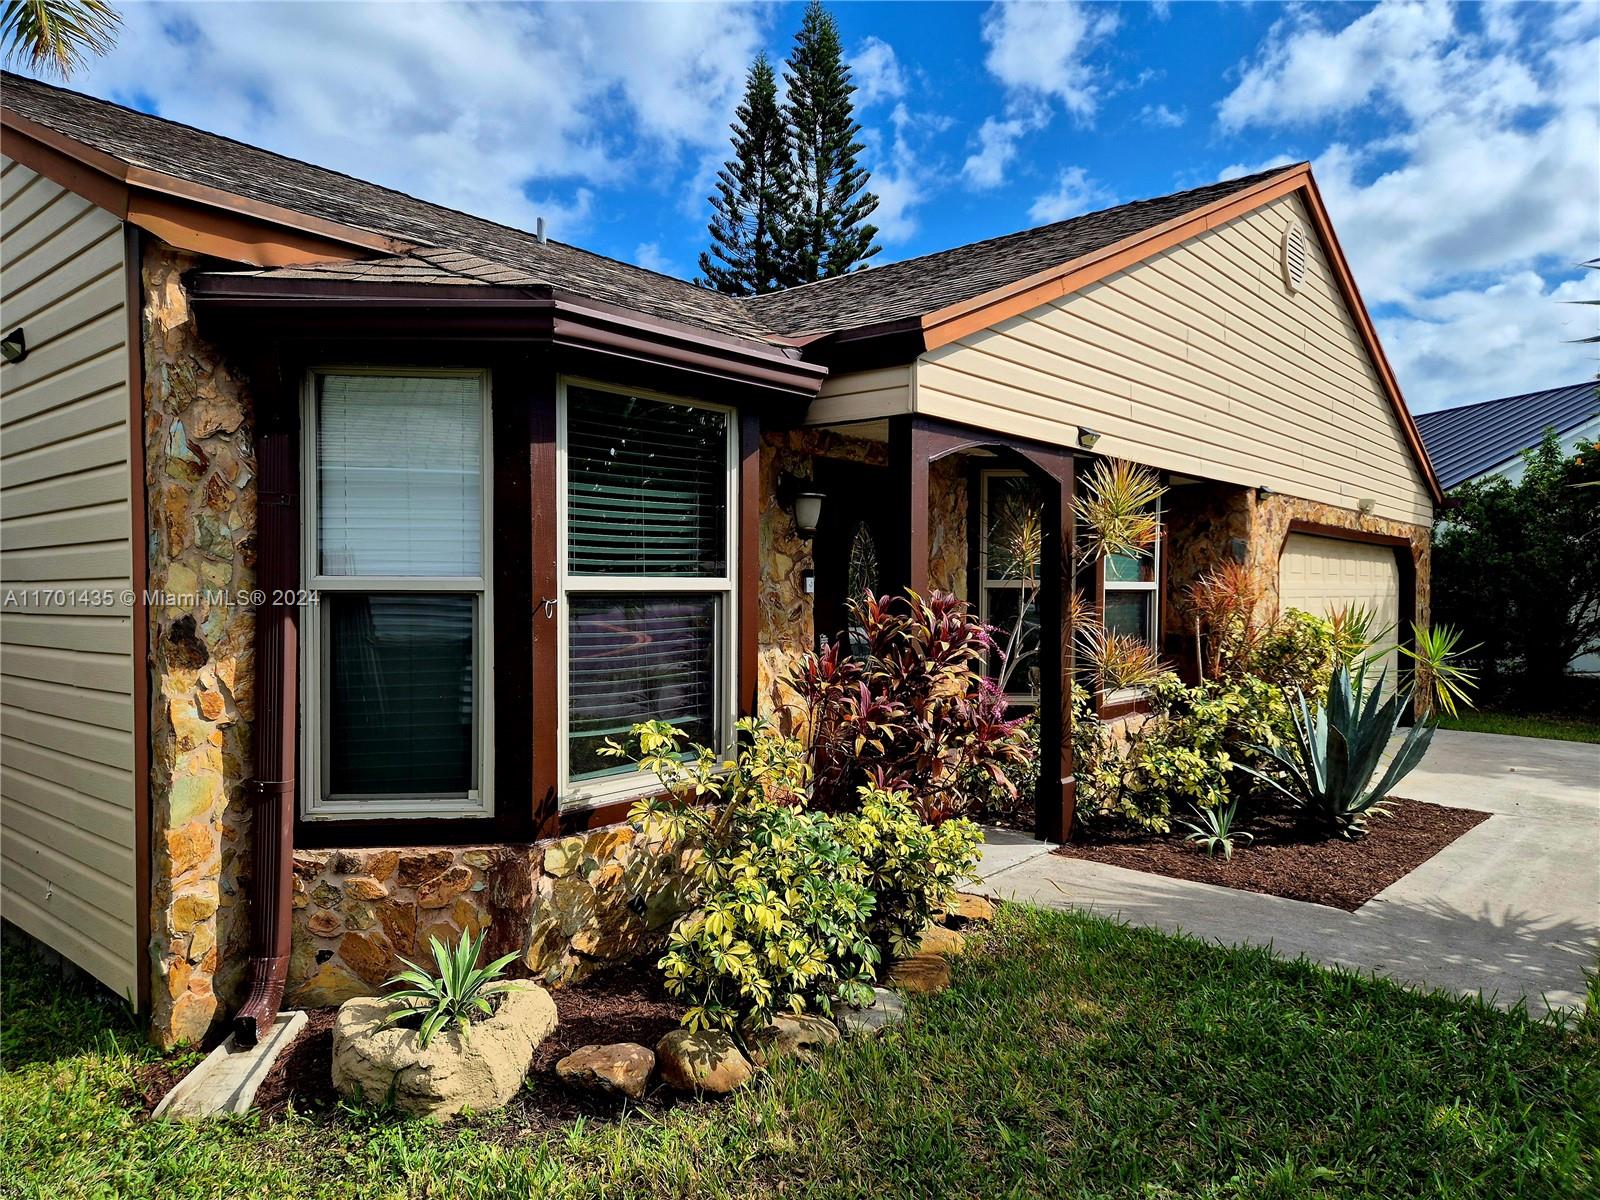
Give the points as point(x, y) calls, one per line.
point(1241, 180)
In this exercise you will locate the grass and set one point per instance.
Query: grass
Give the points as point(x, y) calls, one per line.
point(1537, 725)
point(1072, 1057)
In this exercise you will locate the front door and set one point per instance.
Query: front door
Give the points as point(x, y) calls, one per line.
point(852, 546)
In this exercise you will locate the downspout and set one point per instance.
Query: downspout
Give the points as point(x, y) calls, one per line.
point(271, 792)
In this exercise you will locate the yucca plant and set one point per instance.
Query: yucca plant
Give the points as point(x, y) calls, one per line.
point(460, 990)
point(1118, 510)
point(1216, 828)
point(1442, 681)
point(1327, 771)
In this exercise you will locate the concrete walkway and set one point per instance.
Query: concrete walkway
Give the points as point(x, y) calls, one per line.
point(1511, 909)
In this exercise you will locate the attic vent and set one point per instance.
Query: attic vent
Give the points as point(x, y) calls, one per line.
point(1295, 253)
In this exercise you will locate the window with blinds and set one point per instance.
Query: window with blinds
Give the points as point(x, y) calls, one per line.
point(647, 577)
point(396, 710)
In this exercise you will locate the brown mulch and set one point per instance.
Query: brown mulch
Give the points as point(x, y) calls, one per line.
point(1289, 860)
point(625, 1004)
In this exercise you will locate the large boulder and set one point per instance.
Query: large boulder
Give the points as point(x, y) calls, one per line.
point(702, 1062)
point(480, 1069)
point(922, 973)
point(619, 1069)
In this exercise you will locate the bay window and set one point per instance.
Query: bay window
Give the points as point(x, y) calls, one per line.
point(646, 491)
point(396, 659)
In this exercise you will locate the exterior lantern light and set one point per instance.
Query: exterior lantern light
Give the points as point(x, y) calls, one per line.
point(796, 495)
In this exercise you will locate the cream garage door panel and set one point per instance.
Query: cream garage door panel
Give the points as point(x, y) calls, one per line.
point(1322, 574)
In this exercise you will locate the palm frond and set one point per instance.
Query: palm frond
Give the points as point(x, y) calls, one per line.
point(56, 36)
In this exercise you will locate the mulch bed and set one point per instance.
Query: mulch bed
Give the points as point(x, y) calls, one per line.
point(1288, 860)
point(622, 1005)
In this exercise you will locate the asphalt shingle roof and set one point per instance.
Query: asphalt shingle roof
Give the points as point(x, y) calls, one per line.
point(451, 248)
point(915, 286)
point(1465, 442)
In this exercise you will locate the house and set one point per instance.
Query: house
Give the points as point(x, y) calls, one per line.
point(1487, 439)
point(340, 529)
point(1473, 441)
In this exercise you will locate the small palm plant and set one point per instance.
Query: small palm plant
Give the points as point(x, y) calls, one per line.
point(1217, 828)
point(1327, 771)
point(460, 990)
point(1442, 681)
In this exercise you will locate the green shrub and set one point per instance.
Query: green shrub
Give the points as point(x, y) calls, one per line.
point(912, 868)
point(791, 906)
point(1296, 652)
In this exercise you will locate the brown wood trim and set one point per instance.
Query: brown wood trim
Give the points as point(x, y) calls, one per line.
point(514, 386)
point(182, 212)
point(1343, 534)
point(911, 448)
point(546, 518)
point(957, 321)
point(748, 596)
point(138, 490)
point(1137, 706)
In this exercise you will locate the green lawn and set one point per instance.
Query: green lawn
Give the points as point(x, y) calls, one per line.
point(1562, 728)
point(1072, 1057)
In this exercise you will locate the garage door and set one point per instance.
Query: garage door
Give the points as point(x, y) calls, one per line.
point(1321, 574)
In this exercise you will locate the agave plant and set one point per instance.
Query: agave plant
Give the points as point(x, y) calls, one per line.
point(1327, 771)
point(1217, 828)
point(461, 989)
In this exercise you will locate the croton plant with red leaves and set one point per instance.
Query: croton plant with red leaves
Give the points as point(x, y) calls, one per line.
point(913, 711)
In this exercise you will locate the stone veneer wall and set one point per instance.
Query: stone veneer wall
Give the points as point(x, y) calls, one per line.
point(1203, 519)
point(564, 908)
point(947, 525)
point(200, 469)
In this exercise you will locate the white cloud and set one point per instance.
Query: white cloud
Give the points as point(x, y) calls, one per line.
point(1159, 116)
point(997, 143)
point(467, 105)
point(649, 256)
point(1470, 212)
point(1040, 48)
point(1517, 335)
point(877, 73)
point(1074, 193)
point(905, 172)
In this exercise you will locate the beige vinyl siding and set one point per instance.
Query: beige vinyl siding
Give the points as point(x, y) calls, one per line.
point(1197, 360)
point(66, 665)
point(862, 396)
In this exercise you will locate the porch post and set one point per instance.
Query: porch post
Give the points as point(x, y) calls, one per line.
point(1056, 801)
point(907, 561)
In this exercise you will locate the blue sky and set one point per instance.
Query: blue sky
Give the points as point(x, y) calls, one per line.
point(1458, 147)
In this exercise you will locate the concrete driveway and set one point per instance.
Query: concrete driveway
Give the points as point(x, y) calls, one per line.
point(1511, 909)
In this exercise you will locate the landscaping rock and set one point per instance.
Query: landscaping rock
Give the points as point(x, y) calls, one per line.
point(702, 1062)
point(936, 939)
point(972, 908)
point(620, 1069)
point(788, 1034)
point(925, 974)
point(885, 1010)
point(480, 1070)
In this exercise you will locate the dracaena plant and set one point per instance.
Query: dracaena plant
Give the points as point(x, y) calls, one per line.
point(1326, 769)
point(913, 713)
point(460, 991)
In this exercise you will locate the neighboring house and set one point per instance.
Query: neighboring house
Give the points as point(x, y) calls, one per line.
point(1476, 441)
point(1488, 438)
point(340, 529)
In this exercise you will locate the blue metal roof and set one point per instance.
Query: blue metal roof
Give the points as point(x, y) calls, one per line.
point(1465, 442)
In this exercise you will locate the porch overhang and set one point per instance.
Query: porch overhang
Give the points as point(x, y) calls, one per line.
point(321, 310)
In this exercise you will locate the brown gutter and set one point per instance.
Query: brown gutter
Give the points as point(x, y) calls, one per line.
point(271, 792)
point(191, 216)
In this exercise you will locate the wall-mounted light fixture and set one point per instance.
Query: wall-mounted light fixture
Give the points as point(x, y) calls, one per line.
point(800, 498)
point(1087, 437)
point(1264, 491)
point(1366, 505)
point(14, 346)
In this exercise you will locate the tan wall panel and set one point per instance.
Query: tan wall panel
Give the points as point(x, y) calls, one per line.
point(862, 396)
point(1198, 360)
point(67, 791)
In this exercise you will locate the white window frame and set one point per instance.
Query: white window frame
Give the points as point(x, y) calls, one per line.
point(579, 794)
point(1153, 586)
point(985, 583)
point(316, 679)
